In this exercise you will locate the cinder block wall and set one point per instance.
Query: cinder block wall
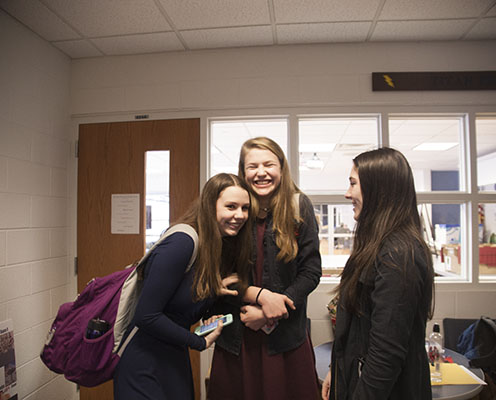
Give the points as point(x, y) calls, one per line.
point(35, 238)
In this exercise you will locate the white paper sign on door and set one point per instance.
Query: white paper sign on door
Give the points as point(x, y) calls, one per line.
point(125, 217)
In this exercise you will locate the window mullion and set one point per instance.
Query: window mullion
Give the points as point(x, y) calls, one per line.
point(383, 130)
point(293, 144)
point(472, 212)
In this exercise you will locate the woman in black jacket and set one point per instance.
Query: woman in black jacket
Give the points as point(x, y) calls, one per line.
point(386, 290)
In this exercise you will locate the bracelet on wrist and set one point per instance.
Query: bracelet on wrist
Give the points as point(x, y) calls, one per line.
point(258, 295)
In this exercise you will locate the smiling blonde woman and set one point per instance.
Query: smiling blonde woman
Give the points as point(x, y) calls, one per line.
point(267, 353)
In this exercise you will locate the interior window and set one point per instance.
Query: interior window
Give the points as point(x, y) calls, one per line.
point(226, 138)
point(327, 147)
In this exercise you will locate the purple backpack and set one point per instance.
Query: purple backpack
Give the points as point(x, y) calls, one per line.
point(112, 298)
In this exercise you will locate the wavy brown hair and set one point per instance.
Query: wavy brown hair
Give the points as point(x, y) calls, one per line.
point(389, 213)
point(218, 256)
point(281, 203)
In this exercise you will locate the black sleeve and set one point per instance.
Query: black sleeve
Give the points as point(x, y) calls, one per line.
point(167, 268)
point(309, 264)
point(395, 298)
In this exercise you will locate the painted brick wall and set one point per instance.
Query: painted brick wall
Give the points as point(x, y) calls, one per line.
point(35, 265)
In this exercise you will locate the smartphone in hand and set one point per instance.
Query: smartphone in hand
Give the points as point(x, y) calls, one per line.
point(268, 329)
point(206, 329)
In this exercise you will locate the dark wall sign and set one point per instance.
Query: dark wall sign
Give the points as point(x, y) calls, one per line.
point(456, 80)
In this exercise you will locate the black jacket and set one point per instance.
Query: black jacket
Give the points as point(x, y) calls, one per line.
point(380, 354)
point(296, 279)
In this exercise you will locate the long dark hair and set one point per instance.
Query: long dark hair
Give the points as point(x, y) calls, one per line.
point(281, 203)
point(389, 213)
point(218, 256)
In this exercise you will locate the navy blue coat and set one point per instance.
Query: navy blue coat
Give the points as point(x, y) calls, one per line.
point(156, 364)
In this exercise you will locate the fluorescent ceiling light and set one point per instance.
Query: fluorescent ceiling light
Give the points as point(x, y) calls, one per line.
point(435, 146)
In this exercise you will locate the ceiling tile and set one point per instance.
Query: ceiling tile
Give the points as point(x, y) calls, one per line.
point(139, 44)
point(110, 17)
point(192, 14)
point(77, 27)
point(323, 32)
point(39, 18)
point(292, 11)
point(484, 29)
point(78, 48)
point(429, 9)
point(228, 37)
point(420, 30)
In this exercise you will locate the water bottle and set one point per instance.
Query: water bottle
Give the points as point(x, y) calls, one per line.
point(96, 328)
point(436, 353)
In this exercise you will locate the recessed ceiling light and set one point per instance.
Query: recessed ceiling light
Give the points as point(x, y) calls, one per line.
point(435, 146)
point(315, 162)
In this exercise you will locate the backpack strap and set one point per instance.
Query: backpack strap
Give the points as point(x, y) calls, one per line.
point(188, 229)
point(184, 228)
point(123, 346)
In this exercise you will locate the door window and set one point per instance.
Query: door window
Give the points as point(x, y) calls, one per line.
point(157, 170)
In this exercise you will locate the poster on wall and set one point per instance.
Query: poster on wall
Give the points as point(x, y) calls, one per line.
point(8, 376)
point(125, 217)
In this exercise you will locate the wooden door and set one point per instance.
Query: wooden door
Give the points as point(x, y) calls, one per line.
point(112, 161)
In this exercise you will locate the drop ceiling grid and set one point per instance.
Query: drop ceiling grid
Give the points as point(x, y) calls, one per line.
point(428, 9)
point(88, 28)
point(228, 37)
point(78, 48)
point(198, 14)
point(329, 32)
point(136, 44)
point(40, 19)
point(421, 30)
point(297, 11)
point(484, 28)
point(95, 18)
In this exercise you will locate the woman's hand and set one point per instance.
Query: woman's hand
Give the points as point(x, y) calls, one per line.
point(224, 291)
point(326, 386)
point(212, 337)
point(274, 305)
point(253, 317)
point(213, 318)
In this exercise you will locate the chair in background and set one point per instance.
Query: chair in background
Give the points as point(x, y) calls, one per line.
point(453, 328)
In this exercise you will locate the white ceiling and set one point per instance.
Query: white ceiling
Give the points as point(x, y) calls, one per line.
point(95, 28)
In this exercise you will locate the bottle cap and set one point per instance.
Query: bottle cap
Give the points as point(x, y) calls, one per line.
point(436, 328)
point(98, 325)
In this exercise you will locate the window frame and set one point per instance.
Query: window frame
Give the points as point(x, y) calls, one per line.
point(468, 196)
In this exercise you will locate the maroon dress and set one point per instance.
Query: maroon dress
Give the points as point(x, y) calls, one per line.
point(256, 375)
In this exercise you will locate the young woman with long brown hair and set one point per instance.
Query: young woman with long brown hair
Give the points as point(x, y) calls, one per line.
point(156, 364)
point(267, 353)
point(386, 289)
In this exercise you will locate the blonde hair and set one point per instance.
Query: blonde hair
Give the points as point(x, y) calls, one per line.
point(285, 216)
point(218, 256)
